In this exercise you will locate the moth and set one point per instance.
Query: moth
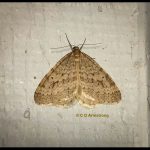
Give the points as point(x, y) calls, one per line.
point(77, 78)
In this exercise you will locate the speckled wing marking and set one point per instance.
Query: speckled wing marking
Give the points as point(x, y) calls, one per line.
point(58, 87)
point(96, 85)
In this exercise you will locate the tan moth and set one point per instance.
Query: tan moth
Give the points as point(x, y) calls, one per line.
point(77, 78)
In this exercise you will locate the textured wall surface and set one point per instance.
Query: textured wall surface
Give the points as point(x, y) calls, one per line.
point(148, 61)
point(30, 30)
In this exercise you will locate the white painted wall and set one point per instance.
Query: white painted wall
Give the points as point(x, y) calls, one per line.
point(148, 61)
point(30, 30)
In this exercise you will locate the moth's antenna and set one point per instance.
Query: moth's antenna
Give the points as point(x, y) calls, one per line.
point(68, 42)
point(82, 44)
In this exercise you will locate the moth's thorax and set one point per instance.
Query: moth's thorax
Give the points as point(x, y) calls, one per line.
point(76, 52)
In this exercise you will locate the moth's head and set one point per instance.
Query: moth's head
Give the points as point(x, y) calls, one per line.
point(75, 49)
